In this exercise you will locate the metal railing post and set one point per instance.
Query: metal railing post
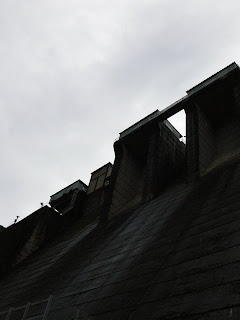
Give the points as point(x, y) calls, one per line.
point(9, 313)
point(26, 311)
point(77, 314)
point(47, 308)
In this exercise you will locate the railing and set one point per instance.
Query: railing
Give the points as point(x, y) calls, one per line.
point(44, 310)
point(34, 311)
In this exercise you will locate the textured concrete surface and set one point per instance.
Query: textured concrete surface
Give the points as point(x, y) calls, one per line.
point(176, 257)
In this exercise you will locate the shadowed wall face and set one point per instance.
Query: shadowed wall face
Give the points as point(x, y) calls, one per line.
point(99, 177)
point(146, 161)
point(96, 193)
point(129, 181)
point(213, 126)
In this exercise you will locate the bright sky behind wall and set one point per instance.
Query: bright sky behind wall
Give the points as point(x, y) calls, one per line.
point(76, 73)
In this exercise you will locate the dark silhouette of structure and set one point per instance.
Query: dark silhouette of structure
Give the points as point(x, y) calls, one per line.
point(156, 235)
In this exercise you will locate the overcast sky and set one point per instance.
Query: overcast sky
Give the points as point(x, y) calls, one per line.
point(73, 74)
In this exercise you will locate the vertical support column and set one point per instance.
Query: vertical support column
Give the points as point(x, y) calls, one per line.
point(24, 317)
point(9, 314)
point(236, 97)
point(151, 172)
point(109, 189)
point(47, 308)
point(192, 142)
point(77, 314)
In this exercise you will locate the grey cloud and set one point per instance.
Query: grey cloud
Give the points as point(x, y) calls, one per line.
point(74, 74)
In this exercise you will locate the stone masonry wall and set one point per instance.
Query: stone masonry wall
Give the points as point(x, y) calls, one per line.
point(207, 148)
point(128, 183)
point(192, 143)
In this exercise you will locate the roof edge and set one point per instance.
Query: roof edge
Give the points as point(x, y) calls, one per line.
point(220, 74)
point(69, 186)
